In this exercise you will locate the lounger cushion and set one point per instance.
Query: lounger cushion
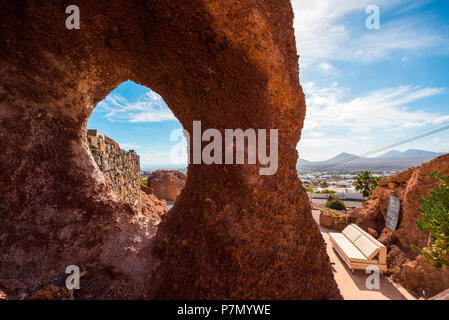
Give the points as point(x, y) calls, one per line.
point(351, 233)
point(367, 247)
point(348, 247)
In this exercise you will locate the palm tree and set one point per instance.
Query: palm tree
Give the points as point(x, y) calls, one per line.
point(366, 183)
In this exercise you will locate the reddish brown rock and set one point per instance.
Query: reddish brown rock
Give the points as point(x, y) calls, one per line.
point(167, 184)
point(152, 207)
point(385, 235)
point(413, 272)
point(393, 185)
point(373, 233)
point(53, 293)
point(146, 189)
point(233, 233)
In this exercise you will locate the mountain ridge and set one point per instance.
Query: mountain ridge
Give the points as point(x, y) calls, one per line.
point(393, 159)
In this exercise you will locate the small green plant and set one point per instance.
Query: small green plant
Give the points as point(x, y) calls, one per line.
point(309, 189)
point(143, 181)
point(335, 203)
point(435, 220)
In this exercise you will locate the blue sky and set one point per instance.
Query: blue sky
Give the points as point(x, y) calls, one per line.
point(364, 88)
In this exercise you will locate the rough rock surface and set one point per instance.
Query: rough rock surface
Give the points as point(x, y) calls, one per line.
point(146, 189)
point(167, 184)
point(153, 208)
point(233, 233)
point(120, 168)
point(412, 271)
point(53, 293)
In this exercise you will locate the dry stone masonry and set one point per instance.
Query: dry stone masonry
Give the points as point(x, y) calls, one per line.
point(121, 169)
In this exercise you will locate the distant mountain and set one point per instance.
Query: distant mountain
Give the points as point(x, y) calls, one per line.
point(391, 154)
point(392, 160)
point(342, 156)
point(302, 162)
point(411, 153)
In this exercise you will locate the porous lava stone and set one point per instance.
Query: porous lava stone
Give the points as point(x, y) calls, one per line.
point(233, 233)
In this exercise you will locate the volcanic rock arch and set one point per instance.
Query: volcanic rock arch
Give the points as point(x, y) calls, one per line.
point(234, 234)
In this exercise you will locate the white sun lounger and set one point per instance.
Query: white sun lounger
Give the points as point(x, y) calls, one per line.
point(359, 249)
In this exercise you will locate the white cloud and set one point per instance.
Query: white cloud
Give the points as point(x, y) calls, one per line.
point(413, 4)
point(324, 142)
point(324, 32)
point(414, 125)
point(411, 35)
point(335, 123)
point(441, 119)
point(332, 33)
point(160, 158)
point(315, 134)
point(380, 109)
point(149, 108)
point(326, 67)
point(154, 158)
point(321, 148)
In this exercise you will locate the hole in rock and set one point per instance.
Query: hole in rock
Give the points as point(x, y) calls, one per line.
point(138, 145)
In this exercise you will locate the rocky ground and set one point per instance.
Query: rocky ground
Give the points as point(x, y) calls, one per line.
point(152, 207)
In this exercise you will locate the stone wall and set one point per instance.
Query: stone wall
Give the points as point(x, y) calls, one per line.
point(120, 168)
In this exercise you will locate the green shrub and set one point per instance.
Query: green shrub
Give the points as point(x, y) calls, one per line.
point(335, 203)
point(435, 220)
point(143, 181)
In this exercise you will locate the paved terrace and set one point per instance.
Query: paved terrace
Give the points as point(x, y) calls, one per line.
point(352, 286)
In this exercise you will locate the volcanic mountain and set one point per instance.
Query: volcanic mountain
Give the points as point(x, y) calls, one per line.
point(392, 160)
